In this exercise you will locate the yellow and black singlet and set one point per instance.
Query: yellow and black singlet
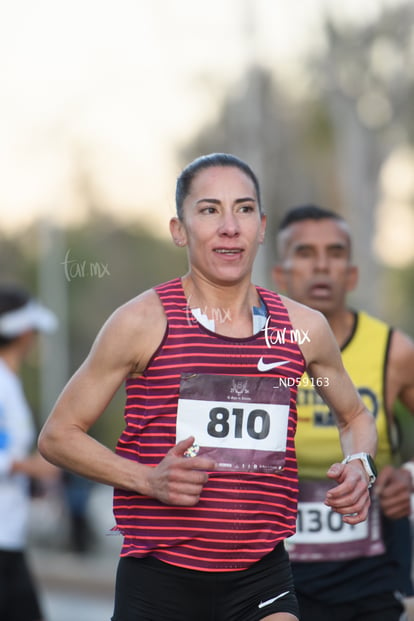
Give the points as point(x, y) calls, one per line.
point(328, 557)
point(365, 357)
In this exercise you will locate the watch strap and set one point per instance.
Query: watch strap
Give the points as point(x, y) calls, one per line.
point(365, 459)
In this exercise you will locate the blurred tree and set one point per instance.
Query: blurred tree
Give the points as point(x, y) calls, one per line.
point(328, 146)
point(365, 81)
point(103, 264)
point(260, 124)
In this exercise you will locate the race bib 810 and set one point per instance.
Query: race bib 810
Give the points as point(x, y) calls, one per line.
point(240, 422)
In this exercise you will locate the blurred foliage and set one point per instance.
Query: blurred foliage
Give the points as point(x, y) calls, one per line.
point(289, 145)
point(325, 146)
point(405, 432)
point(328, 144)
point(399, 298)
point(110, 264)
point(114, 264)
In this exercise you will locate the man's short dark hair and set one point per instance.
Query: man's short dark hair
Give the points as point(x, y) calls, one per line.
point(307, 212)
point(301, 213)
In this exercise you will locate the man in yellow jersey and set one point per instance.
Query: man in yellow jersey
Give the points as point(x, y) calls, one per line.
point(341, 573)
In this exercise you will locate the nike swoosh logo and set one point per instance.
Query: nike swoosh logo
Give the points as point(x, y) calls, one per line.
point(273, 599)
point(266, 366)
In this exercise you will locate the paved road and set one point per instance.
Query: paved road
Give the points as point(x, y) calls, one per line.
point(63, 605)
point(75, 587)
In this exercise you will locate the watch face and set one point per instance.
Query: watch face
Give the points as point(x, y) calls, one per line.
point(372, 465)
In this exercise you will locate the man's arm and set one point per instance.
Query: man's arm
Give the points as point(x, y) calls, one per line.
point(355, 423)
point(400, 371)
point(123, 346)
point(395, 486)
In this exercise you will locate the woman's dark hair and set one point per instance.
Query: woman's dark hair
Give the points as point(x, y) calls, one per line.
point(12, 298)
point(187, 176)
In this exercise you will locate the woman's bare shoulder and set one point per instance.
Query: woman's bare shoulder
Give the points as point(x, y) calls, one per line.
point(302, 316)
point(134, 330)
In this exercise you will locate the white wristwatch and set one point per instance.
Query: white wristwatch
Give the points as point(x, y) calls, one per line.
point(368, 464)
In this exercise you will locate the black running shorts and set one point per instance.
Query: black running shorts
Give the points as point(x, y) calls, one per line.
point(150, 590)
point(379, 607)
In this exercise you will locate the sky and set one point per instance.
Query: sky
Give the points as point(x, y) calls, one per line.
point(112, 87)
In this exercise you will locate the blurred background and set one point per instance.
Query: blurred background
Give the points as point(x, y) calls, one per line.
point(103, 102)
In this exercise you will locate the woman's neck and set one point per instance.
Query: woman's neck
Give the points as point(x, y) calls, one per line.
point(229, 307)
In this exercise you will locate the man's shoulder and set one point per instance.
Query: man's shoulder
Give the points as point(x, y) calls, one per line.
point(366, 319)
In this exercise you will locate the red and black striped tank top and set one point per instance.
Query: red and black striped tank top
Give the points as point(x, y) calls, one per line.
point(241, 516)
